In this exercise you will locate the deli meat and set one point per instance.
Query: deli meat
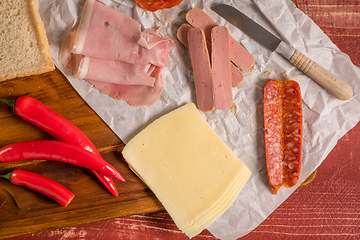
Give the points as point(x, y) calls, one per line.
point(104, 70)
point(237, 76)
point(134, 95)
point(220, 63)
point(213, 79)
point(114, 72)
point(239, 55)
point(283, 132)
point(202, 70)
point(107, 33)
point(108, 49)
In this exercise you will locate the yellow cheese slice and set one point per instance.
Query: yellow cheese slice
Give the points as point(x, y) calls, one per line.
point(212, 214)
point(188, 167)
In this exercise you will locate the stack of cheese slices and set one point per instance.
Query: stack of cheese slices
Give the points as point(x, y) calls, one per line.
point(189, 168)
point(24, 47)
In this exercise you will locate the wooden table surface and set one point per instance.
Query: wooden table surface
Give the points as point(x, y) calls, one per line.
point(327, 208)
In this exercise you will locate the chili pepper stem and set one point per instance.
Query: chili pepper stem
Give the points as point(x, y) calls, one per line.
point(7, 176)
point(11, 103)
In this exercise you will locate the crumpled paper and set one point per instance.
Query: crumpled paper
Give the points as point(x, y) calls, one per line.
point(326, 119)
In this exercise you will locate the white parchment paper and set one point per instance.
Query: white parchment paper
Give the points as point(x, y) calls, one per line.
point(326, 119)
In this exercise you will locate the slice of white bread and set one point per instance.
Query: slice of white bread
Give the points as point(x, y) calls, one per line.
point(24, 47)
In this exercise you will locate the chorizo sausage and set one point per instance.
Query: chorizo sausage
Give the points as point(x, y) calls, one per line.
point(154, 5)
point(283, 132)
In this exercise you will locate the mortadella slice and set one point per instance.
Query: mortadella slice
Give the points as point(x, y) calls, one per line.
point(182, 33)
point(220, 63)
point(201, 68)
point(182, 36)
point(237, 76)
point(132, 94)
point(107, 33)
point(238, 54)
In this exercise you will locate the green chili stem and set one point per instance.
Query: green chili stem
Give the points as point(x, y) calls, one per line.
point(7, 176)
point(11, 103)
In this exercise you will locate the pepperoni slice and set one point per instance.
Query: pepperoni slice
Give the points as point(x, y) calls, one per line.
point(283, 132)
point(154, 5)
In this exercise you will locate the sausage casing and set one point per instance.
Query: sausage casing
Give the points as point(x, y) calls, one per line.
point(283, 132)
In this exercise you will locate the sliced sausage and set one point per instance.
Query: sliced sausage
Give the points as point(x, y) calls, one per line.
point(201, 68)
point(237, 76)
point(220, 63)
point(238, 54)
point(283, 132)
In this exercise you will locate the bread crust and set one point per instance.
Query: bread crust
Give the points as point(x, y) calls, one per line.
point(44, 48)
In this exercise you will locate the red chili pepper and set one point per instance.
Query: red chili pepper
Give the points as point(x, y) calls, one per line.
point(41, 184)
point(38, 114)
point(57, 151)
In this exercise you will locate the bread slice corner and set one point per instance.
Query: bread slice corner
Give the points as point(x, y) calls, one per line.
point(24, 47)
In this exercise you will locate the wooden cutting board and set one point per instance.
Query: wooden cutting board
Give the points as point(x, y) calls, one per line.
point(24, 211)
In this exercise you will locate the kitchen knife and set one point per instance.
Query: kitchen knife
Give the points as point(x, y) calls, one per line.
point(324, 78)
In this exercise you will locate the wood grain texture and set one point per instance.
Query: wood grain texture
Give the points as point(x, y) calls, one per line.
point(24, 211)
point(328, 208)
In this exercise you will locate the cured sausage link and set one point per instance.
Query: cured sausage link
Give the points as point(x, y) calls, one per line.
point(283, 132)
point(273, 126)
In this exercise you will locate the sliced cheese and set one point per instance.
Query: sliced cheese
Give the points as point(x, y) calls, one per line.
point(188, 167)
point(219, 208)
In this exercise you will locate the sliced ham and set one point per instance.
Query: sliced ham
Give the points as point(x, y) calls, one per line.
point(65, 56)
point(104, 70)
point(102, 28)
point(132, 94)
point(149, 38)
point(201, 69)
point(116, 72)
point(109, 50)
point(238, 54)
point(220, 63)
point(107, 33)
point(237, 76)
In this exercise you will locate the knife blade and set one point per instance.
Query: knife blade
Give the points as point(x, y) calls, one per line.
point(333, 84)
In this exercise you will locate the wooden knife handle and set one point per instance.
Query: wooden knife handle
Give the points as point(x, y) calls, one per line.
point(324, 78)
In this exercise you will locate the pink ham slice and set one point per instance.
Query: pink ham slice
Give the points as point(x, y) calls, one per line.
point(238, 54)
point(201, 69)
point(237, 76)
point(107, 33)
point(149, 38)
point(104, 70)
point(114, 72)
point(220, 63)
point(65, 56)
point(109, 50)
point(132, 94)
